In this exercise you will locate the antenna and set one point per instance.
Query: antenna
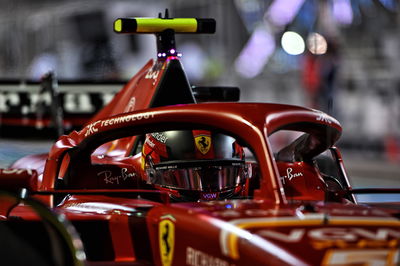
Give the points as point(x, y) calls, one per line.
point(166, 45)
point(165, 29)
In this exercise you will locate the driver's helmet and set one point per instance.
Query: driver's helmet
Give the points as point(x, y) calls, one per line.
point(194, 164)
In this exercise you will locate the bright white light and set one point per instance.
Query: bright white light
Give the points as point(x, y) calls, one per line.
point(316, 43)
point(292, 43)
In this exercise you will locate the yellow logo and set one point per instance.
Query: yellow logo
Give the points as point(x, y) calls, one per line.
point(166, 236)
point(203, 143)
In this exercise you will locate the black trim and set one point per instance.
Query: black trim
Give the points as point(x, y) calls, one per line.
point(96, 238)
point(140, 236)
point(181, 164)
point(174, 87)
point(216, 93)
point(206, 25)
point(374, 191)
point(128, 25)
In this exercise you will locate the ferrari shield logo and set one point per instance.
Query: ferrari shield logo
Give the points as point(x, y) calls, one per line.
point(166, 238)
point(203, 143)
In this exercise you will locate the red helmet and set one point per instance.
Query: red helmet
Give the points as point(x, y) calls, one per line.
point(194, 165)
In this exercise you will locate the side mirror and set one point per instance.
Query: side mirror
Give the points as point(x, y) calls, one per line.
point(15, 179)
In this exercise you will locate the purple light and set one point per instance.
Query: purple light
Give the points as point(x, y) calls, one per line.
point(255, 54)
point(172, 51)
point(282, 12)
point(342, 11)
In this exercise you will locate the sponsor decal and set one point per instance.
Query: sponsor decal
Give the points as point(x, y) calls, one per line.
point(290, 175)
point(203, 143)
point(323, 118)
point(196, 257)
point(150, 142)
point(152, 74)
point(131, 105)
point(361, 257)
point(91, 128)
point(160, 137)
point(166, 239)
point(109, 178)
point(359, 244)
point(320, 238)
point(154, 142)
point(209, 195)
point(152, 149)
point(94, 127)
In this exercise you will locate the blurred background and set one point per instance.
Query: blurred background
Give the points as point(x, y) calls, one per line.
point(339, 56)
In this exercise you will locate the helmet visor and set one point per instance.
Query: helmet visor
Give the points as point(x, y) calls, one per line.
point(202, 175)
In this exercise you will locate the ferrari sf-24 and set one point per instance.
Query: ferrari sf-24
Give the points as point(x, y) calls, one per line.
point(166, 176)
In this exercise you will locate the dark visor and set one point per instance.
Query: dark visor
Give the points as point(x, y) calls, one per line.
point(201, 175)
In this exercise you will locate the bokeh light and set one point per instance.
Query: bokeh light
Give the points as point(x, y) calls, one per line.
point(316, 43)
point(255, 54)
point(342, 11)
point(292, 43)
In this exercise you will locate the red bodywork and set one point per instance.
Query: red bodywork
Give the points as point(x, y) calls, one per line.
point(123, 222)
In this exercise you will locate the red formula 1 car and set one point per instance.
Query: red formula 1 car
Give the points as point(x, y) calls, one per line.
point(158, 179)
